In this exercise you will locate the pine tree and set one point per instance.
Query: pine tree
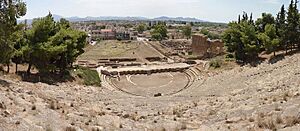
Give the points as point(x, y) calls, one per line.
point(42, 30)
point(240, 39)
point(265, 19)
point(53, 46)
point(269, 38)
point(233, 43)
point(10, 10)
point(21, 44)
point(249, 40)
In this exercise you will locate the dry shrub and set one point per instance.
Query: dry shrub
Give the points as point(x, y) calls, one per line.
point(70, 128)
point(279, 120)
point(33, 107)
point(251, 119)
point(291, 121)
point(212, 112)
point(95, 129)
point(274, 99)
point(286, 96)
point(134, 117)
point(266, 124)
point(261, 115)
point(52, 105)
point(177, 112)
point(277, 108)
point(49, 129)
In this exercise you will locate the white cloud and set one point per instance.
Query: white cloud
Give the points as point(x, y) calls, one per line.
point(272, 1)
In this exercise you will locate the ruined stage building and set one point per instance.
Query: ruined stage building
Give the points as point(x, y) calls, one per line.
point(204, 47)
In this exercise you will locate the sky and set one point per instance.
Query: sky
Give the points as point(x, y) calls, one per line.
point(209, 10)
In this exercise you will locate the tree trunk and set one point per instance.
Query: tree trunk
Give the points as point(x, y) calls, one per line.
point(274, 53)
point(28, 70)
point(16, 68)
point(286, 49)
point(8, 68)
point(61, 73)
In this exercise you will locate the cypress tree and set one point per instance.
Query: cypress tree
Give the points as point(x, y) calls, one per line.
point(292, 25)
point(251, 19)
point(245, 16)
point(281, 27)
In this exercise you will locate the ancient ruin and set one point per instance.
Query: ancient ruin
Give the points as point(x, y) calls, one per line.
point(178, 46)
point(204, 47)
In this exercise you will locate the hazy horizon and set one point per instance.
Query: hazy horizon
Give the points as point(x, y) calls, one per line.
point(213, 10)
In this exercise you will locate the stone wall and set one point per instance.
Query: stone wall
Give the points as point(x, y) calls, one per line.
point(199, 44)
point(204, 47)
point(178, 45)
point(137, 72)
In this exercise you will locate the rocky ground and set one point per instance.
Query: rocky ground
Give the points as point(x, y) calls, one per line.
point(265, 97)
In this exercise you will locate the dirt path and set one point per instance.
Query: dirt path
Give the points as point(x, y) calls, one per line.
point(162, 55)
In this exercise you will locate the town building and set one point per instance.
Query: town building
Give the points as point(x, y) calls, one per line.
point(103, 34)
point(123, 36)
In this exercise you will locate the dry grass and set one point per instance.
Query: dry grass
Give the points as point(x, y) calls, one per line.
point(70, 128)
point(212, 112)
point(291, 121)
point(286, 96)
point(277, 108)
point(279, 120)
point(261, 115)
point(274, 99)
point(33, 107)
point(107, 49)
point(266, 124)
point(251, 119)
point(273, 124)
point(177, 112)
point(52, 105)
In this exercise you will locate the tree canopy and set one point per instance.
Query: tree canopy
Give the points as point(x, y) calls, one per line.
point(141, 28)
point(159, 32)
point(269, 38)
point(49, 46)
point(246, 40)
point(187, 31)
point(10, 10)
point(53, 45)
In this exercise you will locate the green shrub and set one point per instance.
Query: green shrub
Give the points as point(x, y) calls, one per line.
point(89, 77)
point(229, 57)
point(215, 63)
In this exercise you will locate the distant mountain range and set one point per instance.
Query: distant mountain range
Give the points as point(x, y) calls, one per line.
point(89, 18)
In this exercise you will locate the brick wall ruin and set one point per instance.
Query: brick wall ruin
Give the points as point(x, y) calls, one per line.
point(204, 47)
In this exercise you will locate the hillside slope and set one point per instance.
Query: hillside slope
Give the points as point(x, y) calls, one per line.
point(245, 98)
